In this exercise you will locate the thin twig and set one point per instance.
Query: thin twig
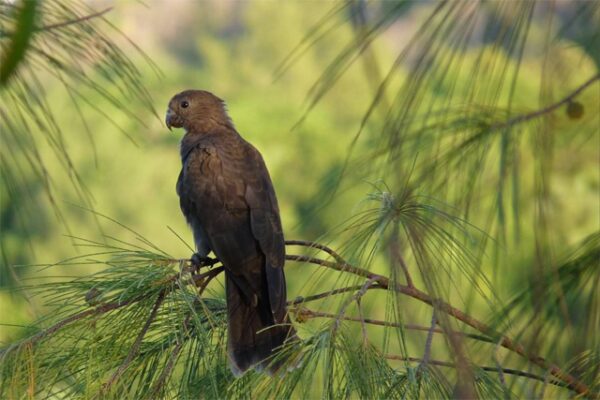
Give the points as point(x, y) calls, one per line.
point(168, 370)
point(306, 313)
point(73, 21)
point(429, 341)
point(302, 299)
point(201, 281)
point(318, 246)
point(172, 359)
point(509, 371)
point(529, 116)
point(136, 345)
point(356, 297)
point(343, 267)
point(499, 367)
point(363, 325)
point(397, 256)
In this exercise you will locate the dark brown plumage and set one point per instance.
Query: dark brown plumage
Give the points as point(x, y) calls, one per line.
point(228, 199)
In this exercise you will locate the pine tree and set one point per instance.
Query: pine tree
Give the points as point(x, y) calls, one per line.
point(457, 156)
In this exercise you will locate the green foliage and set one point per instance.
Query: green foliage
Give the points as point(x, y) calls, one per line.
point(53, 46)
point(563, 302)
point(80, 356)
point(138, 329)
point(471, 126)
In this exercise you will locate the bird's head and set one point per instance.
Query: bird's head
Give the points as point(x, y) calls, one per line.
point(196, 111)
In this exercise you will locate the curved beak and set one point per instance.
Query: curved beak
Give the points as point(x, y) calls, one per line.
point(168, 118)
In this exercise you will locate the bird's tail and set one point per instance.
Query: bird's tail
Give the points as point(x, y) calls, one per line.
point(253, 336)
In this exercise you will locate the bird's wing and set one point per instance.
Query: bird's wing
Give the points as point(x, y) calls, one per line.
point(266, 228)
point(228, 188)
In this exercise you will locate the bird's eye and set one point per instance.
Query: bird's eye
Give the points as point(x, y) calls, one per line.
point(184, 104)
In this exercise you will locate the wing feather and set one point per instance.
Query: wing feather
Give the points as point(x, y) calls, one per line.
point(227, 187)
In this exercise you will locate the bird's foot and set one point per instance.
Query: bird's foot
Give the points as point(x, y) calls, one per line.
point(199, 261)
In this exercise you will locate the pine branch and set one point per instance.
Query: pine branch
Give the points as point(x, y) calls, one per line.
point(546, 110)
point(374, 281)
point(102, 309)
point(572, 382)
point(107, 307)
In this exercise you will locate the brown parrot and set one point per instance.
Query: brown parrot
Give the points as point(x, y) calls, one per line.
point(227, 198)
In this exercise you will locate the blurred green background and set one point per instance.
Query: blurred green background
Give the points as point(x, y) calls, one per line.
point(236, 50)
